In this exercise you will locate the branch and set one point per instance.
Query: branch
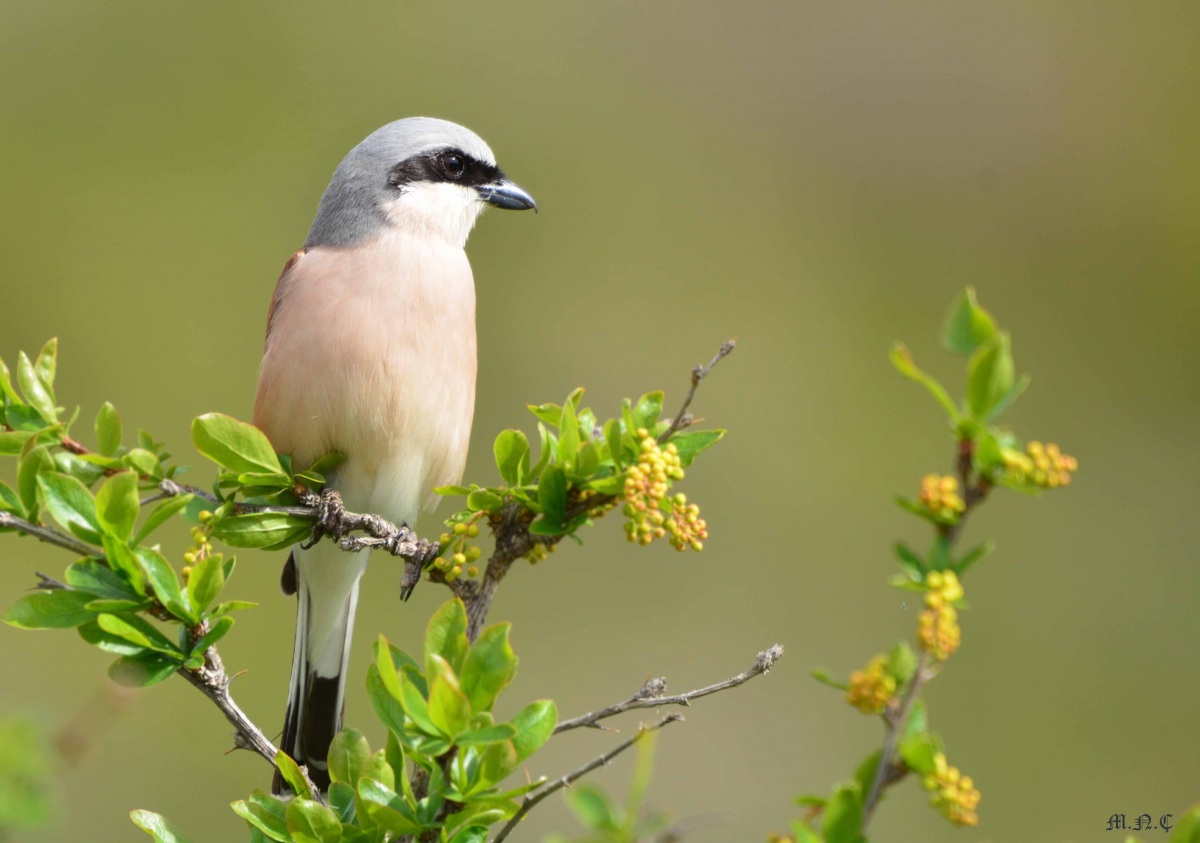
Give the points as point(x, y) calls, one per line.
point(48, 535)
point(212, 681)
point(531, 801)
point(682, 418)
point(896, 721)
point(651, 694)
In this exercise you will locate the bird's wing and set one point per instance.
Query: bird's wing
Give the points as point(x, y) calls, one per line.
point(281, 289)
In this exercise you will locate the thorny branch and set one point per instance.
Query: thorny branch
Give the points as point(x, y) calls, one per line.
point(533, 799)
point(652, 694)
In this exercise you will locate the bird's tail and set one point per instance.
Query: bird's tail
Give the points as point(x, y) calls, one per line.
point(325, 580)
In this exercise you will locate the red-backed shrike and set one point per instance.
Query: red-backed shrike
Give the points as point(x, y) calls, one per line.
point(370, 352)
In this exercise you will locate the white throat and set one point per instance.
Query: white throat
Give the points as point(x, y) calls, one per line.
point(436, 209)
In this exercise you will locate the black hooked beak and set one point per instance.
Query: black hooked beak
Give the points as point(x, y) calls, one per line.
point(504, 194)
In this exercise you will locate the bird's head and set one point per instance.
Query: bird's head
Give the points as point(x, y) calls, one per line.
point(427, 176)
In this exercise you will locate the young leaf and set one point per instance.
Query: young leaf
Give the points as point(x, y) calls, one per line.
point(446, 636)
point(593, 809)
point(612, 437)
point(903, 361)
point(143, 670)
point(100, 580)
point(490, 666)
point(347, 754)
point(376, 767)
point(71, 504)
point(108, 429)
point(534, 724)
point(512, 456)
point(484, 500)
point(137, 631)
point(552, 495)
point(56, 609)
point(157, 827)
point(164, 582)
point(312, 822)
point(205, 582)
point(489, 734)
point(913, 564)
point(265, 816)
point(117, 505)
point(13, 441)
point(692, 442)
point(568, 437)
point(292, 775)
point(449, 708)
point(161, 515)
point(234, 445)
point(35, 462)
point(647, 410)
point(261, 529)
point(548, 413)
point(35, 391)
point(475, 833)
point(989, 376)
point(918, 752)
point(386, 809)
point(968, 325)
point(843, 815)
point(216, 632)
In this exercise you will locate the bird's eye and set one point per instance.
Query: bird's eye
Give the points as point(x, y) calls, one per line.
point(454, 165)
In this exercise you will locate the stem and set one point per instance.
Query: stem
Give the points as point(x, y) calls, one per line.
point(896, 721)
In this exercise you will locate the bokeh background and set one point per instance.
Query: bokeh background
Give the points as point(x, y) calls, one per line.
point(816, 179)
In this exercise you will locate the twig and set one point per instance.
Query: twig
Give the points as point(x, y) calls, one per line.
point(896, 722)
point(212, 681)
point(682, 419)
point(49, 535)
point(651, 694)
point(531, 801)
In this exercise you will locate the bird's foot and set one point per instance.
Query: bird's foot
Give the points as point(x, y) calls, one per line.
point(426, 553)
point(331, 513)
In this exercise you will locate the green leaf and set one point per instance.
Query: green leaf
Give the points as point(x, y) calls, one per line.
point(552, 495)
point(117, 505)
point(968, 325)
point(35, 462)
point(386, 809)
point(802, 832)
point(497, 761)
point(647, 410)
point(10, 501)
point(143, 462)
point(91, 576)
point(6, 388)
point(612, 437)
point(71, 504)
point(261, 529)
point(843, 815)
point(989, 376)
point(234, 445)
point(11, 442)
point(972, 556)
point(157, 827)
point(341, 801)
point(484, 500)
point(473, 833)
point(292, 775)
point(414, 703)
point(449, 708)
point(826, 678)
point(37, 395)
point(386, 706)
point(216, 632)
point(534, 724)
point(312, 822)
point(348, 752)
point(446, 636)
point(918, 719)
point(142, 670)
point(164, 582)
point(376, 767)
point(913, 564)
point(108, 429)
point(489, 734)
point(592, 807)
point(1012, 395)
point(121, 559)
point(1187, 828)
point(692, 442)
point(902, 662)
point(452, 491)
point(266, 814)
point(568, 437)
point(548, 413)
point(137, 631)
point(903, 361)
point(918, 752)
point(47, 364)
point(97, 637)
point(490, 666)
point(512, 456)
point(205, 582)
point(161, 515)
point(58, 609)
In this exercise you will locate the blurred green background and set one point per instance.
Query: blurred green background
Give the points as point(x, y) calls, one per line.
point(816, 179)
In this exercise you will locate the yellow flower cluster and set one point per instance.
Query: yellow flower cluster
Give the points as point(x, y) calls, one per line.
point(872, 687)
point(454, 564)
point(939, 494)
point(937, 627)
point(646, 486)
point(1045, 466)
point(954, 795)
point(1051, 467)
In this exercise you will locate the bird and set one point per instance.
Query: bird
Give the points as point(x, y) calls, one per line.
point(370, 352)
